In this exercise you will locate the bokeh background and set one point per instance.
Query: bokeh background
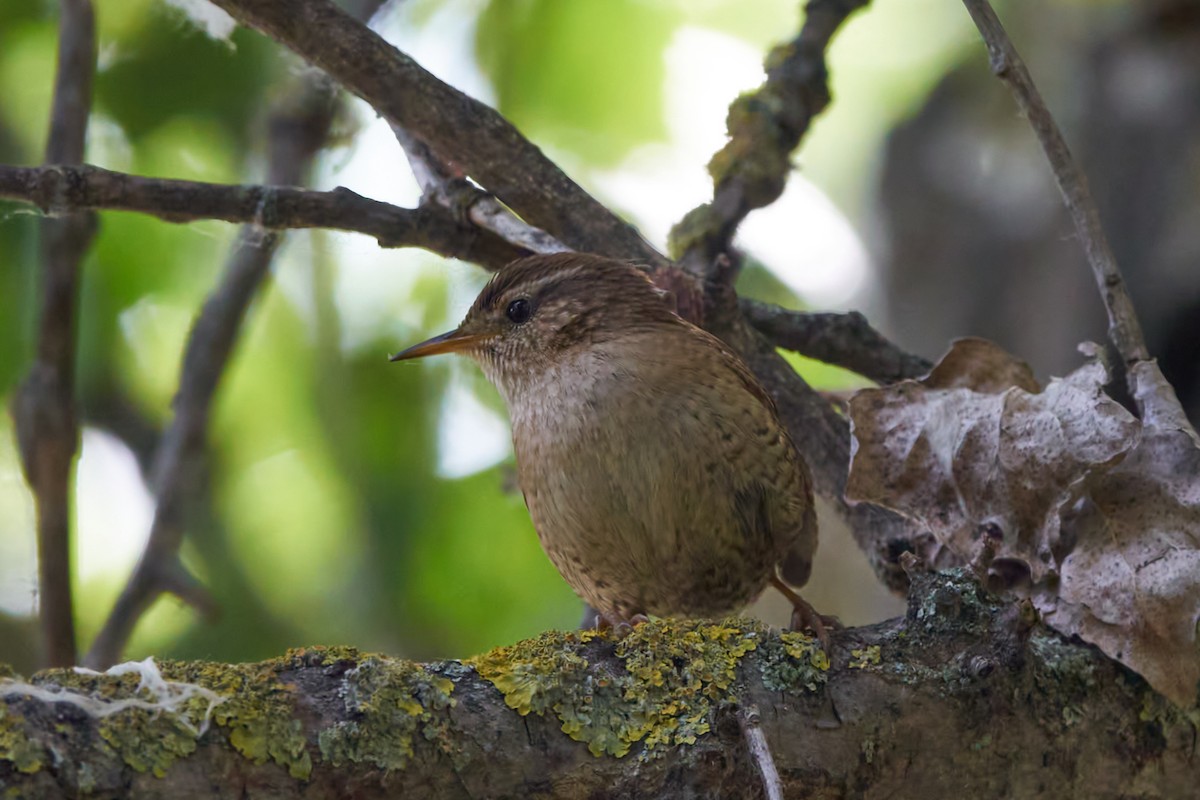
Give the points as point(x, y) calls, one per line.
point(355, 502)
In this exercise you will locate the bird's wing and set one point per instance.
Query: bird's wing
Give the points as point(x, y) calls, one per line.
point(786, 507)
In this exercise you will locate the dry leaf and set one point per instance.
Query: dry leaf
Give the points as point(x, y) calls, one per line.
point(1001, 461)
point(981, 365)
point(1131, 585)
point(1095, 514)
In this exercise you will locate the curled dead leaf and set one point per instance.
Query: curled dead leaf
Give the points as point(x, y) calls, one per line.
point(1091, 512)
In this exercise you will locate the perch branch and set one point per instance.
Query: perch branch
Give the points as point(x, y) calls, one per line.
point(59, 189)
point(764, 127)
point(439, 184)
point(47, 427)
point(845, 340)
point(297, 130)
point(457, 128)
point(1124, 330)
point(962, 698)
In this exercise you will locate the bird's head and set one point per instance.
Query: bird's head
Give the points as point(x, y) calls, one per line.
point(542, 308)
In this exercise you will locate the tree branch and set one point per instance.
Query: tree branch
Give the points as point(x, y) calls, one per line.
point(936, 705)
point(44, 408)
point(764, 127)
point(59, 189)
point(845, 340)
point(457, 128)
point(1124, 330)
point(440, 184)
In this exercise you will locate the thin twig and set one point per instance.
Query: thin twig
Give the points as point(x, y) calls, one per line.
point(441, 185)
point(47, 427)
point(845, 340)
point(764, 127)
point(60, 189)
point(459, 129)
point(1124, 330)
point(750, 723)
point(298, 129)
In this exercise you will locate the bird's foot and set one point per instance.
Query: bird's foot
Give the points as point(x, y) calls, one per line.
point(620, 626)
point(805, 617)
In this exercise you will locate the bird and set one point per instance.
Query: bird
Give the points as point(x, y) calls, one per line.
point(658, 476)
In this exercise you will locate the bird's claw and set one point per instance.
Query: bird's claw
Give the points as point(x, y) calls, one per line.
point(620, 626)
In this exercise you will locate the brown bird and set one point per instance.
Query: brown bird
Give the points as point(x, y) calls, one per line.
point(657, 474)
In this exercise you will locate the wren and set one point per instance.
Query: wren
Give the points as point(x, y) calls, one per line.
point(656, 471)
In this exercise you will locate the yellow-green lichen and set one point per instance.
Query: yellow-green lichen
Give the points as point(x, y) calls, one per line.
point(324, 655)
point(147, 741)
point(698, 225)
point(757, 153)
point(257, 711)
point(779, 55)
point(661, 691)
point(550, 674)
point(867, 657)
point(16, 746)
point(389, 702)
point(793, 662)
point(868, 749)
point(145, 730)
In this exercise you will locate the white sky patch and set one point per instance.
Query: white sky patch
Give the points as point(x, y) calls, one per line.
point(803, 237)
point(204, 15)
point(659, 183)
point(809, 244)
point(471, 436)
point(18, 535)
point(444, 44)
point(107, 144)
point(114, 507)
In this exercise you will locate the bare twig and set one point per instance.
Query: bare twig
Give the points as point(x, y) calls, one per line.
point(298, 129)
point(60, 189)
point(764, 127)
point(845, 340)
point(750, 723)
point(47, 427)
point(459, 129)
point(1123, 328)
point(440, 184)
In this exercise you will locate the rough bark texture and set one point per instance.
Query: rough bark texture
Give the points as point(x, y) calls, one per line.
point(967, 696)
point(58, 188)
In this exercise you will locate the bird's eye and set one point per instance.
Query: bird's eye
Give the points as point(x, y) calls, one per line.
point(519, 310)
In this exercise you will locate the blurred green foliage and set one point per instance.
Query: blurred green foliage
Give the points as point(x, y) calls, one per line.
point(579, 76)
point(323, 518)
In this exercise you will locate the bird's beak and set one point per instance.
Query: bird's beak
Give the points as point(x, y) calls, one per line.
point(451, 342)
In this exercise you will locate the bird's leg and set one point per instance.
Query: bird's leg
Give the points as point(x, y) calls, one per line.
point(620, 626)
point(804, 616)
point(592, 619)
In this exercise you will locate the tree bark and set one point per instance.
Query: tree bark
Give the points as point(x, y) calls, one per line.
point(967, 696)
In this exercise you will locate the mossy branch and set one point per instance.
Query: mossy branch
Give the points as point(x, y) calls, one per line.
point(965, 696)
